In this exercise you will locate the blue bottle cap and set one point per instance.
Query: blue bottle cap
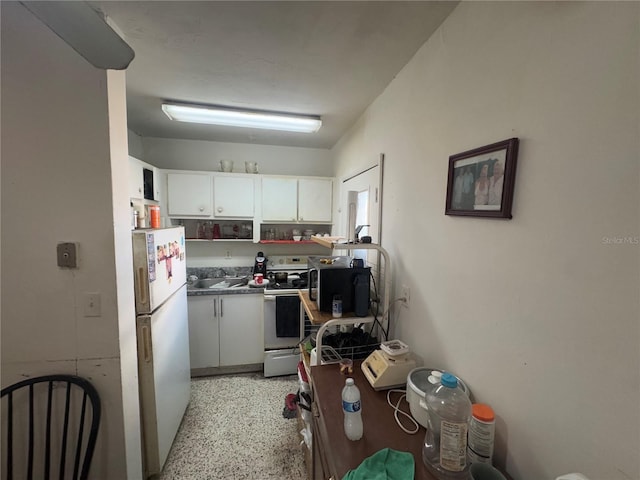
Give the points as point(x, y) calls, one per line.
point(449, 380)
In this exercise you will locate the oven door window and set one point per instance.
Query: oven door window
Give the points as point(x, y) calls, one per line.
point(288, 316)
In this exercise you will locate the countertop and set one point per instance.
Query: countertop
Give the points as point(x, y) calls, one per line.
point(380, 428)
point(246, 290)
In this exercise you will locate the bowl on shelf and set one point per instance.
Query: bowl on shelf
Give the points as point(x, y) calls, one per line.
point(297, 238)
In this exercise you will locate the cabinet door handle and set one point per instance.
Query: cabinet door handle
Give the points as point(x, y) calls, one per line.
point(221, 313)
point(202, 209)
point(219, 209)
point(215, 308)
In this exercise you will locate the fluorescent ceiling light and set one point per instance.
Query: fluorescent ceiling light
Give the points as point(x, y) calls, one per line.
point(242, 118)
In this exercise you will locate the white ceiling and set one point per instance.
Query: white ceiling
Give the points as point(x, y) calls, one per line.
point(309, 57)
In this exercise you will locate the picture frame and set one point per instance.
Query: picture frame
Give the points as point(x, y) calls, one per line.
point(475, 185)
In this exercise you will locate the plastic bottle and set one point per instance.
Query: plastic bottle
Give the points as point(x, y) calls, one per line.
point(445, 444)
point(481, 434)
point(200, 231)
point(352, 410)
point(336, 306)
point(208, 230)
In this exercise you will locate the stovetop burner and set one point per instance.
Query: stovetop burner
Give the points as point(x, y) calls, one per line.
point(296, 284)
point(294, 266)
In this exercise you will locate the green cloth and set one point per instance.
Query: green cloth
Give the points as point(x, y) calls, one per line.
point(386, 464)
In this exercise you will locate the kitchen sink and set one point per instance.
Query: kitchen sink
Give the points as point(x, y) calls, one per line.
point(221, 282)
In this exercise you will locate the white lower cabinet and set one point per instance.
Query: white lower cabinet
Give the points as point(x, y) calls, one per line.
point(225, 330)
point(204, 335)
point(241, 329)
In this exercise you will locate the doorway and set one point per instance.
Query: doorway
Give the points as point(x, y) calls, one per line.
point(361, 204)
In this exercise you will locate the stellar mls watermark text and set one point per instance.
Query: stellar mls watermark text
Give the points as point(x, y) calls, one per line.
point(621, 240)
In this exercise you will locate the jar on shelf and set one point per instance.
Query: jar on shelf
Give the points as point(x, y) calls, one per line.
point(208, 230)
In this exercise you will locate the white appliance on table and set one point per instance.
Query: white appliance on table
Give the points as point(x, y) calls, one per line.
point(162, 337)
point(281, 304)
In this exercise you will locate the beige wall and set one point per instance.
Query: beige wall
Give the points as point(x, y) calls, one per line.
point(202, 155)
point(539, 314)
point(63, 131)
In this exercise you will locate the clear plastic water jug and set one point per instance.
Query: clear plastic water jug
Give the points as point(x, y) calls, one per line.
point(445, 445)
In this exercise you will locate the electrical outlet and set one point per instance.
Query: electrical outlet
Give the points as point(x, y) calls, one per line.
point(228, 254)
point(405, 294)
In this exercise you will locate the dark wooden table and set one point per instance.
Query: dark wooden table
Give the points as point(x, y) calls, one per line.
point(380, 428)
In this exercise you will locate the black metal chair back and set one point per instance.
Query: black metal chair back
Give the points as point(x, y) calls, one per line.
point(44, 427)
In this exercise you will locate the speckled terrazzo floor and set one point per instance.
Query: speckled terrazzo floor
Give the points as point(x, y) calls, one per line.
point(234, 429)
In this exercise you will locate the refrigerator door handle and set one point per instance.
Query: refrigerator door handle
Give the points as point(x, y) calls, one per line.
point(142, 286)
point(146, 343)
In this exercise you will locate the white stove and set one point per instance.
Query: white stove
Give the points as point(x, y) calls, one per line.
point(283, 322)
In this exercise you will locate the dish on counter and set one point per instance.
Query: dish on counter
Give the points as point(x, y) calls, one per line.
point(264, 283)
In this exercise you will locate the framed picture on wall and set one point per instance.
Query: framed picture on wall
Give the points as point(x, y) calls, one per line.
point(480, 182)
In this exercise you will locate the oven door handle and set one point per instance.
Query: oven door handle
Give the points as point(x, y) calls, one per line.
point(269, 298)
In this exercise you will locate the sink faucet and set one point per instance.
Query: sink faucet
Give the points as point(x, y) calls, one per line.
point(191, 279)
point(357, 232)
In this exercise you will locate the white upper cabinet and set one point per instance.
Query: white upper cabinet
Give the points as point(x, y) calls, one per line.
point(189, 195)
point(237, 196)
point(233, 196)
point(143, 183)
point(287, 199)
point(314, 199)
point(136, 178)
point(279, 199)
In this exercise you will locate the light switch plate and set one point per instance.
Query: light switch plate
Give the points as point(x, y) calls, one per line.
point(68, 255)
point(92, 305)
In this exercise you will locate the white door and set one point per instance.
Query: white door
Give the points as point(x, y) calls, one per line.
point(233, 196)
point(314, 200)
point(241, 329)
point(360, 204)
point(159, 266)
point(204, 337)
point(279, 199)
point(163, 365)
point(189, 194)
point(136, 178)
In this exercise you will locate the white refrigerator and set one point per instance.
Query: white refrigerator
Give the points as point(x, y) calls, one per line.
point(163, 339)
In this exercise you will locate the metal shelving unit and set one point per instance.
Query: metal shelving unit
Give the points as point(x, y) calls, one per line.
point(325, 320)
